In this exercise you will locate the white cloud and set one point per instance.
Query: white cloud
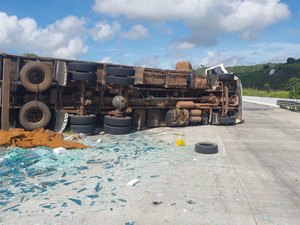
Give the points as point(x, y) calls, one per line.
point(136, 32)
point(152, 62)
point(183, 46)
point(208, 19)
point(105, 31)
point(63, 39)
point(74, 47)
point(253, 54)
point(106, 60)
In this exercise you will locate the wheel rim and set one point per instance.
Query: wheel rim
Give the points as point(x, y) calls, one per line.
point(34, 115)
point(36, 77)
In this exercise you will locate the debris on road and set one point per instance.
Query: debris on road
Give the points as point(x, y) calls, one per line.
point(156, 203)
point(40, 137)
point(180, 142)
point(133, 182)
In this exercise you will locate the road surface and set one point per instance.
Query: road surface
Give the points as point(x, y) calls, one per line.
point(253, 180)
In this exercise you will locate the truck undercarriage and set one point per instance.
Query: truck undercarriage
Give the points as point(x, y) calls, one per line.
point(83, 96)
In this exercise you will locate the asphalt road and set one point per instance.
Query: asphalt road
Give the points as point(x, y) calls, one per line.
point(254, 179)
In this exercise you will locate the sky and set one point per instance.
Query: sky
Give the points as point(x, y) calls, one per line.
point(153, 33)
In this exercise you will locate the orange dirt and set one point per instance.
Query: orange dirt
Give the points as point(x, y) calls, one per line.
point(40, 137)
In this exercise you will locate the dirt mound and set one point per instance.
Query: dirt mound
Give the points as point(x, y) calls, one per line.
point(40, 137)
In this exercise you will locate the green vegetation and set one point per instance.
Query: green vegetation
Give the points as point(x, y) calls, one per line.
point(272, 80)
point(261, 93)
point(30, 55)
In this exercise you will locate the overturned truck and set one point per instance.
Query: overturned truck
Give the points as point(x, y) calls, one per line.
point(86, 97)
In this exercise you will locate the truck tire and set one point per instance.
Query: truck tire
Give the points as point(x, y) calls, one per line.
point(82, 67)
point(91, 77)
point(226, 77)
point(227, 120)
point(34, 115)
point(83, 128)
point(118, 121)
point(116, 130)
point(120, 71)
point(83, 120)
point(171, 118)
point(206, 148)
point(124, 81)
point(36, 76)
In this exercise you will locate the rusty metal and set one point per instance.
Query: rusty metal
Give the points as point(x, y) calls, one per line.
point(5, 86)
point(185, 105)
point(200, 82)
point(226, 100)
point(195, 112)
point(195, 119)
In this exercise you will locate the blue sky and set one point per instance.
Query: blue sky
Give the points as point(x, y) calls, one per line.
point(154, 33)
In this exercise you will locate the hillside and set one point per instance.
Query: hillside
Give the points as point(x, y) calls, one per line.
point(272, 76)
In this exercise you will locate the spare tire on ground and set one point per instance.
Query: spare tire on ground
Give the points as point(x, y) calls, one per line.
point(206, 148)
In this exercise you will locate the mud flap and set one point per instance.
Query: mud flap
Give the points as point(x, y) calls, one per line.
point(61, 72)
point(61, 120)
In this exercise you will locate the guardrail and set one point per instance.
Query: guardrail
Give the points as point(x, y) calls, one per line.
point(291, 104)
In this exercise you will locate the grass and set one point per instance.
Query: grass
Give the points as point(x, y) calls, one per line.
point(261, 93)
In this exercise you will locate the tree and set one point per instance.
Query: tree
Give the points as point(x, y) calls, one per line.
point(290, 60)
point(294, 87)
point(266, 67)
point(30, 55)
point(267, 87)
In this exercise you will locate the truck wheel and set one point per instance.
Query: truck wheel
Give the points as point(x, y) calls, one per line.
point(34, 115)
point(227, 120)
point(116, 130)
point(91, 77)
point(124, 81)
point(226, 77)
point(171, 118)
point(83, 120)
point(120, 71)
point(206, 148)
point(82, 67)
point(36, 76)
point(117, 121)
point(85, 129)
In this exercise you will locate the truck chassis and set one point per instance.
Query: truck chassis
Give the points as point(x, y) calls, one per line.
point(59, 94)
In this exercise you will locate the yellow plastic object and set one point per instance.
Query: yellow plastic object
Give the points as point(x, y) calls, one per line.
point(180, 142)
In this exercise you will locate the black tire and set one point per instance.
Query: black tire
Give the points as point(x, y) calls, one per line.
point(227, 120)
point(82, 67)
point(226, 77)
point(120, 71)
point(91, 77)
point(118, 121)
point(171, 118)
point(85, 129)
point(116, 130)
point(206, 148)
point(34, 115)
point(83, 120)
point(36, 76)
point(124, 81)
